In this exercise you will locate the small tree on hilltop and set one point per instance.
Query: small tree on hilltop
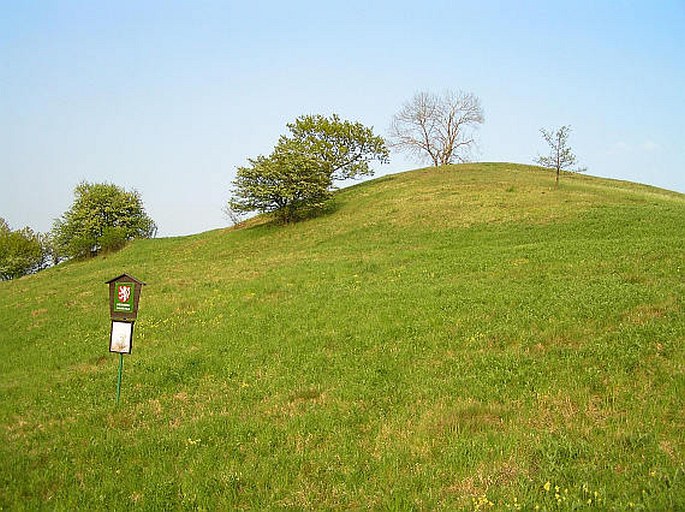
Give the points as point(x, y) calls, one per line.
point(437, 127)
point(561, 157)
point(297, 178)
point(102, 217)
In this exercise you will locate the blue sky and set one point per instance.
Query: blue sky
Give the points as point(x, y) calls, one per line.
point(169, 97)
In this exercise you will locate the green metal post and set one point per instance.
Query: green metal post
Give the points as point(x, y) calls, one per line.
point(121, 371)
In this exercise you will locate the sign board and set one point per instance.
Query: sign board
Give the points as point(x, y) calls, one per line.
point(121, 337)
point(124, 297)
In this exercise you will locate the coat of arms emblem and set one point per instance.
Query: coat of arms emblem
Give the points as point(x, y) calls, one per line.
point(124, 293)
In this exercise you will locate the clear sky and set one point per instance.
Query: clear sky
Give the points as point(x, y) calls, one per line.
point(168, 97)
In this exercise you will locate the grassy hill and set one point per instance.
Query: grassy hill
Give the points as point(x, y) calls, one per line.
point(462, 338)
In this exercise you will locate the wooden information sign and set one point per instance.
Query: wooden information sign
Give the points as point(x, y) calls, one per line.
point(124, 297)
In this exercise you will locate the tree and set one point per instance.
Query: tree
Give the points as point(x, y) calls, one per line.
point(288, 183)
point(342, 149)
point(437, 127)
point(561, 156)
point(102, 217)
point(21, 252)
point(297, 178)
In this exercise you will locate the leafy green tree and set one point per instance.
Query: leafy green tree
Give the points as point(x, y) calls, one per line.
point(103, 217)
point(297, 178)
point(342, 149)
point(288, 183)
point(21, 252)
point(561, 157)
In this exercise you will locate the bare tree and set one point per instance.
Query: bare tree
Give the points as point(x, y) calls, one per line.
point(561, 157)
point(437, 127)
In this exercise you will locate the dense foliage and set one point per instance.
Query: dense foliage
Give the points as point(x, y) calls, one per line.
point(102, 217)
point(297, 178)
point(21, 251)
point(287, 182)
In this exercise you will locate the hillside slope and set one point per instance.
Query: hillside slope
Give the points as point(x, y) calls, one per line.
point(466, 337)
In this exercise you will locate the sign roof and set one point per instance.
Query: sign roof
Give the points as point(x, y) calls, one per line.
point(127, 276)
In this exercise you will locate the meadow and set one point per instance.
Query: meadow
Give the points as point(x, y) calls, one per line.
point(461, 338)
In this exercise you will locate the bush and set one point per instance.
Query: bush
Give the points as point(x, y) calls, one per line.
point(113, 239)
point(21, 252)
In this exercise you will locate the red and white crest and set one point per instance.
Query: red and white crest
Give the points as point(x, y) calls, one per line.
point(124, 293)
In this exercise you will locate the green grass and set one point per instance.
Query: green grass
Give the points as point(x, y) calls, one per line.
point(468, 338)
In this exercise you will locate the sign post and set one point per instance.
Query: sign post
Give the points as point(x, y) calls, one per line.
point(124, 296)
point(121, 372)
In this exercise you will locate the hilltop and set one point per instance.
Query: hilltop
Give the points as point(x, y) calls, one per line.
point(455, 338)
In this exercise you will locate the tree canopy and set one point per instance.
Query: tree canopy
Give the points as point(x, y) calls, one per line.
point(21, 252)
point(287, 182)
point(298, 176)
point(103, 216)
